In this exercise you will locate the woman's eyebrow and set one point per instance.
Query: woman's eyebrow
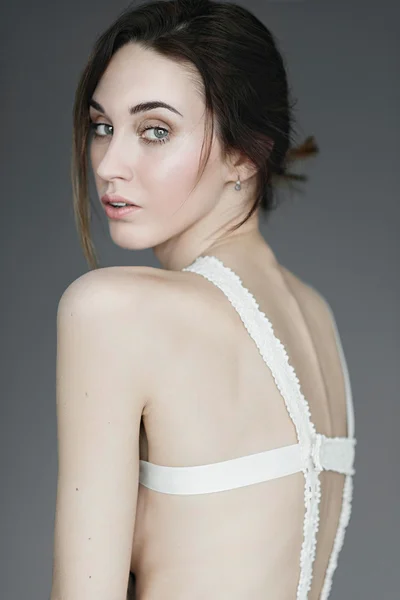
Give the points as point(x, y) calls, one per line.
point(142, 107)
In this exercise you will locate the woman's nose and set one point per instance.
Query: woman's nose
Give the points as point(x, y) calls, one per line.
point(116, 162)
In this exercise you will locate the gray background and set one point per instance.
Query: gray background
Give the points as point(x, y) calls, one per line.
point(340, 236)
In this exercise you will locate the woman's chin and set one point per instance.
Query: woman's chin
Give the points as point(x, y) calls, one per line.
point(129, 240)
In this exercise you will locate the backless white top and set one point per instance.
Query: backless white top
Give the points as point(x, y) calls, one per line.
point(313, 453)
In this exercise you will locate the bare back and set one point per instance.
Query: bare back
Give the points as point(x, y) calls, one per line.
point(215, 399)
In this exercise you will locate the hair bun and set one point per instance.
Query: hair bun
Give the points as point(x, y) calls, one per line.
point(188, 9)
point(306, 149)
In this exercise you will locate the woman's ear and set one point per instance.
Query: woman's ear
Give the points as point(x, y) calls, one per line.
point(240, 167)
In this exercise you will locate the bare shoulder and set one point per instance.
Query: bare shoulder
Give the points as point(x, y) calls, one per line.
point(157, 303)
point(135, 318)
point(100, 286)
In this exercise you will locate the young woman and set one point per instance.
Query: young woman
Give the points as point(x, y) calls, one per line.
point(205, 418)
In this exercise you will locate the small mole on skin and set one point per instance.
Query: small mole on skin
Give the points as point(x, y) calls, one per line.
point(76, 489)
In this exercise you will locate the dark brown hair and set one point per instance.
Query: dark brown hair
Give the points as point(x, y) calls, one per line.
point(242, 79)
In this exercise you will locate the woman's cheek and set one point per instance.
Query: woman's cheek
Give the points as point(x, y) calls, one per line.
point(170, 182)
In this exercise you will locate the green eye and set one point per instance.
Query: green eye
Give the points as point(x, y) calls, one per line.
point(94, 129)
point(157, 139)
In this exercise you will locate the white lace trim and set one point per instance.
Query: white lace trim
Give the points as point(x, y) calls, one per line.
point(339, 538)
point(275, 356)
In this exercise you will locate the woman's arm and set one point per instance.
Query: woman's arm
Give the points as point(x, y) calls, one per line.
point(100, 400)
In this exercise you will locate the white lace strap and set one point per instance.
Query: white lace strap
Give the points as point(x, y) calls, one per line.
point(311, 444)
point(348, 484)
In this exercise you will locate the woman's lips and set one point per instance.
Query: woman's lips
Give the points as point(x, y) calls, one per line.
point(107, 198)
point(118, 213)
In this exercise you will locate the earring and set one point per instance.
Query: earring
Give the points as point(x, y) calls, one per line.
point(238, 185)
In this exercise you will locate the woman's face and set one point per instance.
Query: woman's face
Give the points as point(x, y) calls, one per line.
point(152, 157)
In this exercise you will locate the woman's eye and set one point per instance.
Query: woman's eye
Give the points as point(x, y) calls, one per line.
point(158, 136)
point(161, 134)
point(94, 128)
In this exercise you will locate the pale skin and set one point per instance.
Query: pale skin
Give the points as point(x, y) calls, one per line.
point(155, 364)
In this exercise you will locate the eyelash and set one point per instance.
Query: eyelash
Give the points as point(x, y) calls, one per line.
point(93, 127)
